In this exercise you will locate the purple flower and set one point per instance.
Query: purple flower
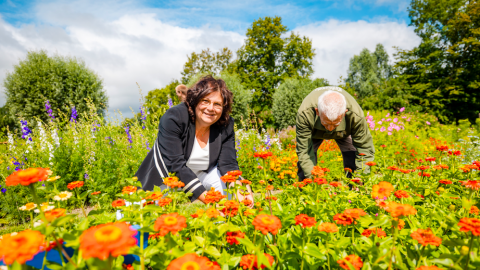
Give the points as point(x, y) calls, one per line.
point(73, 117)
point(49, 109)
point(86, 176)
point(4, 190)
point(25, 130)
point(127, 130)
point(148, 146)
point(170, 103)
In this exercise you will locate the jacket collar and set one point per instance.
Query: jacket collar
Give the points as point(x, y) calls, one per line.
point(318, 124)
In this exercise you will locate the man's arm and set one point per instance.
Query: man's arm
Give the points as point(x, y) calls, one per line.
point(305, 151)
point(363, 141)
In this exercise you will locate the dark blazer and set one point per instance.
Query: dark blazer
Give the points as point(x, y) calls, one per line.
point(173, 146)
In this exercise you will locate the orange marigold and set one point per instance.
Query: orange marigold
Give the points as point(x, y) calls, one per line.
point(129, 189)
point(75, 184)
point(400, 210)
point(54, 213)
point(172, 222)
point(118, 203)
point(382, 190)
point(470, 225)
point(249, 261)
point(107, 240)
point(426, 237)
point(351, 260)
point(21, 247)
point(305, 221)
point(232, 237)
point(328, 227)
point(26, 177)
point(192, 261)
point(267, 223)
point(401, 194)
point(343, 219)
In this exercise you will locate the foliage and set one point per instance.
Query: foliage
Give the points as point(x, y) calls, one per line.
point(367, 70)
point(444, 69)
point(206, 62)
point(5, 120)
point(267, 59)
point(156, 101)
point(63, 81)
point(288, 98)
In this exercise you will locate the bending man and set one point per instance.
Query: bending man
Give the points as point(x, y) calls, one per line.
point(331, 113)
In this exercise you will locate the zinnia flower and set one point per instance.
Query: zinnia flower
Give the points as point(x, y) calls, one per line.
point(370, 163)
point(129, 189)
point(445, 182)
point(75, 184)
point(355, 213)
point(20, 247)
point(472, 184)
point(172, 222)
point(246, 202)
point(213, 196)
point(305, 221)
point(28, 207)
point(262, 155)
point(328, 227)
point(96, 193)
point(212, 213)
point(199, 213)
point(192, 261)
point(249, 261)
point(400, 210)
point(107, 240)
point(228, 178)
point(164, 201)
point(118, 203)
point(231, 208)
point(246, 182)
point(343, 219)
point(232, 237)
point(46, 206)
point(381, 190)
point(53, 179)
point(63, 196)
point(335, 184)
point(474, 210)
point(54, 213)
point(351, 260)
point(235, 173)
point(401, 194)
point(377, 231)
point(267, 223)
point(426, 237)
point(320, 181)
point(26, 177)
point(470, 225)
point(432, 267)
point(156, 195)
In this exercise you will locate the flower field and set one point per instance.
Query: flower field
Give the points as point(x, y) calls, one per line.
point(417, 208)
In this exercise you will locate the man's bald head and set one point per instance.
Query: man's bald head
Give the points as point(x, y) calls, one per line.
point(332, 104)
point(181, 91)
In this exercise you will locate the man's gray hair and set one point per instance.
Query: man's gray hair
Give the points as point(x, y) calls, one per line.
point(332, 104)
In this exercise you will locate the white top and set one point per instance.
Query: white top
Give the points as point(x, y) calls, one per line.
point(199, 159)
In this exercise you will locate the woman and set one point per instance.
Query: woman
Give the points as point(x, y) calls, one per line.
point(195, 140)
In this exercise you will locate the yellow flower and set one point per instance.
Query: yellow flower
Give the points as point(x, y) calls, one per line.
point(63, 196)
point(52, 179)
point(45, 207)
point(28, 207)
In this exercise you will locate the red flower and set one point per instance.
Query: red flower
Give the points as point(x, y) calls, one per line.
point(471, 184)
point(231, 208)
point(356, 180)
point(118, 203)
point(370, 163)
point(76, 184)
point(470, 225)
point(445, 182)
point(262, 154)
point(335, 184)
point(424, 174)
point(423, 168)
point(352, 260)
point(232, 237)
point(430, 158)
point(305, 221)
point(343, 219)
point(320, 181)
point(393, 168)
point(401, 194)
point(377, 231)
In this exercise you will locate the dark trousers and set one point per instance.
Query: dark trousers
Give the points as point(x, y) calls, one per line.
point(348, 153)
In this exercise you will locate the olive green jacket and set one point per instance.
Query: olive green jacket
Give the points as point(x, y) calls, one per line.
point(309, 127)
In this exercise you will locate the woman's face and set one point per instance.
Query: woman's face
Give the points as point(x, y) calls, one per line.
point(209, 109)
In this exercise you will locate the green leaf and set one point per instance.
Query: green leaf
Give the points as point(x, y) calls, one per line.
point(213, 251)
point(314, 251)
point(200, 241)
point(61, 221)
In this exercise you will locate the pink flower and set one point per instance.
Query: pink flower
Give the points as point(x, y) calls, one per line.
point(389, 133)
point(382, 129)
point(395, 120)
point(428, 123)
point(402, 109)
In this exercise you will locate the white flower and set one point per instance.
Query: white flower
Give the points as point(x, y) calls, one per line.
point(37, 223)
point(63, 196)
point(45, 207)
point(28, 207)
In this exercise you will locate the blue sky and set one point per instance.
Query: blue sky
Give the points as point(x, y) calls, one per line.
point(147, 42)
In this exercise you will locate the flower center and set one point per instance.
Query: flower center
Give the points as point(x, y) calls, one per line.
point(108, 234)
point(28, 172)
point(190, 266)
point(62, 195)
point(170, 220)
point(30, 205)
point(267, 221)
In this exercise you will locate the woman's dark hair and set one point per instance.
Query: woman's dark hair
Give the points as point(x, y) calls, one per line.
point(202, 88)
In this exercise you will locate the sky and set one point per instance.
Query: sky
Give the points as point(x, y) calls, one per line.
point(147, 42)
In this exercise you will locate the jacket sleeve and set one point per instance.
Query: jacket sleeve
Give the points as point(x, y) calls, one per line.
point(363, 141)
point(170, 131)
point(227, 159)
point(305, 152)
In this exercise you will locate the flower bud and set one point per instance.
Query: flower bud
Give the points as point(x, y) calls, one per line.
point(441, 189)
point(452, 207)
point(464, 250)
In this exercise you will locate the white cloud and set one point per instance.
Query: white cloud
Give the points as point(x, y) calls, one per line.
point(337, 41)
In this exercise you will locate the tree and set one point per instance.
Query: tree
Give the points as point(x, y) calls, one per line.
point(156, 101)
point(289, 96)
point(5, 120)
point(367, 70)
point(206, 62)
point(444, 70)
point(60, 80)
point(267, 59)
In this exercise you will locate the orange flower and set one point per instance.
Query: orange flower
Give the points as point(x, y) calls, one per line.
point(262, 182)
point(107, 240)
point(382, 204)
point(445, 182)
point(320, 181)
point(317, 172)
point(96, 193)
point(263, 155)
point(75, 184)
point(370, 163)
point(192, 261)
point(231, 208)
point(474, 210)
point(426, 237)
point(470, 225)
point(199, 213)
point(432, 267)
point(401, 194)
point(305, 220)
point(129, 189)
point(423, 168)
point(335, 184)
point(356, 180)
point(400, 210)
point(246, 182)
point(248, 212)
point(164, 201)
point(213, 196)
point(249, 261)
point(271, 198)
point(235, 173)
point(212, 213)
point(269, 187)
point(26, 177)
point(172, 222)
point(118, 203)
point(355, 213)
point(393, 168)
point(54, 213)
point(377, 231)
point(267, 223)
point(156, 195)
point(400, 223)
point(21, 247)
point(352, 260)
point(177, 184)
point(382, 190)
point(424, 174)
point(343, 219)
point(228, 178)
point(328, 227)
point(471, 184)
point(246, 202)
point(232, 237)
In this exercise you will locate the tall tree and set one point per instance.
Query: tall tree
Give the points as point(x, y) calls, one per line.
point(444, 70)
point(367, 70)
point(156, 101)
point(60, 80)
point(267, 59)
point(206, 62)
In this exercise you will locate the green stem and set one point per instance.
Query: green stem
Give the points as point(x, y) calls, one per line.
point(303, 246)
point(328, 255)
point(421, 256)
point(44, 260)
point(469, 250)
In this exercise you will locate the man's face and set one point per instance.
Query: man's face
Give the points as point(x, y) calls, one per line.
point(327, 123)
point(180, 95)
